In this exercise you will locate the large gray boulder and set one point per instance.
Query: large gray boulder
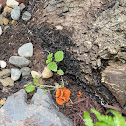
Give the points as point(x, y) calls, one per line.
point(41, 111)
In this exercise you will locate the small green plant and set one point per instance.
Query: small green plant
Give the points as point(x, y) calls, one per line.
point(52, 61)
point(31, 87)
point(105, 120)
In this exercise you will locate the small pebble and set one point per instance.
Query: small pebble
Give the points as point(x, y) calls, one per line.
point(7, 82)
point(26, 50)
point(12, 3)
point(35, 74)
point(5, 21)
point(15, 74)
point(25, 71)
point(2, 101)
point(0, 30)
point(47, 73)
point(22, 6)
point(26, 16)
point(14, 22)
point(15, 13)
point(3, 64)
point(59, 27)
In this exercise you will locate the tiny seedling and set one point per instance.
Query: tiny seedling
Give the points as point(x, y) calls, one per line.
point(52, 61)
point(105, 120)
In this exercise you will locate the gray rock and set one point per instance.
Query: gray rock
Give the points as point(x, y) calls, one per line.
point(26, 16)
point(114, 78)
point(16, 112)
point(5, 73)
point(19, 61)
point(7, 82)
point(15, 13)
point(15, 74)
point(26, 50)
point(25, 71)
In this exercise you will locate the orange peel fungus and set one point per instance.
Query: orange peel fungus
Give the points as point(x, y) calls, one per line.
point(62, 95)
point(79, 94)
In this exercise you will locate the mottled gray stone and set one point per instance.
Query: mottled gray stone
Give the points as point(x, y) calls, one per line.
point(5, 73)
point(26, 50)
point(15, 13)
point(15, 74)
point(19, 61)
point(41, 111)
point(25, 71)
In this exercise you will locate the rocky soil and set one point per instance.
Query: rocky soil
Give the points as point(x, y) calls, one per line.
point(92, 35)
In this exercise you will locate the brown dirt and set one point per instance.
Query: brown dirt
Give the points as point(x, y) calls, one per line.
point(42, 36)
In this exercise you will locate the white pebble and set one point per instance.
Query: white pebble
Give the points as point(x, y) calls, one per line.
point(3, 64)
point(0, 30)
point(12, 3)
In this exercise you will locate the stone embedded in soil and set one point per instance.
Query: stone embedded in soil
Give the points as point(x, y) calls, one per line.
point(19, 61)
point(26, 50)
point(2, 101)
point(36, 74)
point(0, 30)
point(47, 73)
point(5, 73)
point(26, 16)
point(41, 111)
point(114, 78)
point(59, 27)
point(7, 82)
point(15, 74)
point(22, 6)
point(25, 71)
point(3, 64)
point(5, 21)
point(13, 22)
point(12, 3)
point(15, 13)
